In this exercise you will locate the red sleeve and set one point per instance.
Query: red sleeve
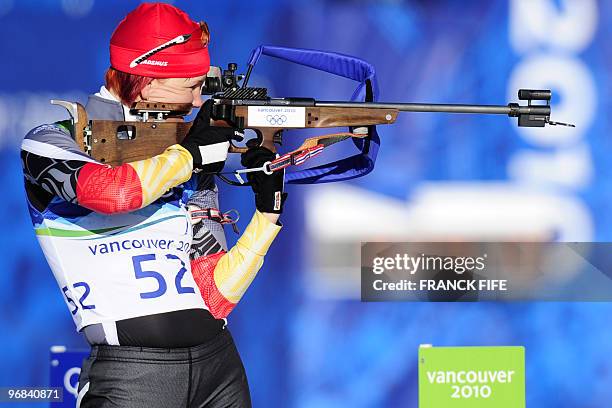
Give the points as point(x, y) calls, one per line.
point(203, 270)
point(109, 190)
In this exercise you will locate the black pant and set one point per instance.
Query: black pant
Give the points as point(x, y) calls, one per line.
point(210, 375)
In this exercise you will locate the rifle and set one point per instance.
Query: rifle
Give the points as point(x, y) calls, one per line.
point(244, 107)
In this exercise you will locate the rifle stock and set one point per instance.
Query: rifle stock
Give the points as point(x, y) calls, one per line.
point(116, 142)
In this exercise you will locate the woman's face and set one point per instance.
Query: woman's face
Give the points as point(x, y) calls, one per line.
point(174, 90)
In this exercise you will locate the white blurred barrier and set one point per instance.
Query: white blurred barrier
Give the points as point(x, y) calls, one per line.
point(341, 216)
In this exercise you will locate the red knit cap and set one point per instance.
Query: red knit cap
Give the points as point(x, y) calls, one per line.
point(150, 26)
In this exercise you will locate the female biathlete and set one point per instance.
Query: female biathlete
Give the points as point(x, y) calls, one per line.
point(148, 287)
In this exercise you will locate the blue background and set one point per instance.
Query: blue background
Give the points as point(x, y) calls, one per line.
point(305, 350)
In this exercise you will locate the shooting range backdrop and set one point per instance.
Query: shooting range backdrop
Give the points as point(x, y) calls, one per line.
point(304, 344)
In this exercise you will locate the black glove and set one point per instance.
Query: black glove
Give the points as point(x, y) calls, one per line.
point(268, 188)
point(207, 144)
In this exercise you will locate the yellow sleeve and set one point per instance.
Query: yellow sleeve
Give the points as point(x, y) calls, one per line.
point(237, 268)
point(162, 172)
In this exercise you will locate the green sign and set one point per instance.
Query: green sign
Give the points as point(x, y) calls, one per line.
point(471, 377)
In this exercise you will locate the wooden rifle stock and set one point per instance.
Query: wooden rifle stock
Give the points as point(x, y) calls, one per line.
point(116, 142)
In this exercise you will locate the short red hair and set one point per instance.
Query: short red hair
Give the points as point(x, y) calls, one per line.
point(126, 86)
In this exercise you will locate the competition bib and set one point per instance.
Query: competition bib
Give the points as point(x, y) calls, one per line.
point(118, 267)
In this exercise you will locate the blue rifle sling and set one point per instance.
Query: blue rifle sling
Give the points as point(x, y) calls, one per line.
point(367, 90)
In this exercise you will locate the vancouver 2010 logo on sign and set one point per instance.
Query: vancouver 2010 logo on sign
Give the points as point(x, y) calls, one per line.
point(276, 116)
point(276, 119)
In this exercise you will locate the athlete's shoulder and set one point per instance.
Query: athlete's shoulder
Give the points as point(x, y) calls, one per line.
point(53, 140)
point(44, 131)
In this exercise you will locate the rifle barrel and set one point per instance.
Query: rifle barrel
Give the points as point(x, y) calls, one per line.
point(448, 108)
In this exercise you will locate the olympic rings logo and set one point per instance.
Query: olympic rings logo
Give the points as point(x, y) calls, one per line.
point(276, 119)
